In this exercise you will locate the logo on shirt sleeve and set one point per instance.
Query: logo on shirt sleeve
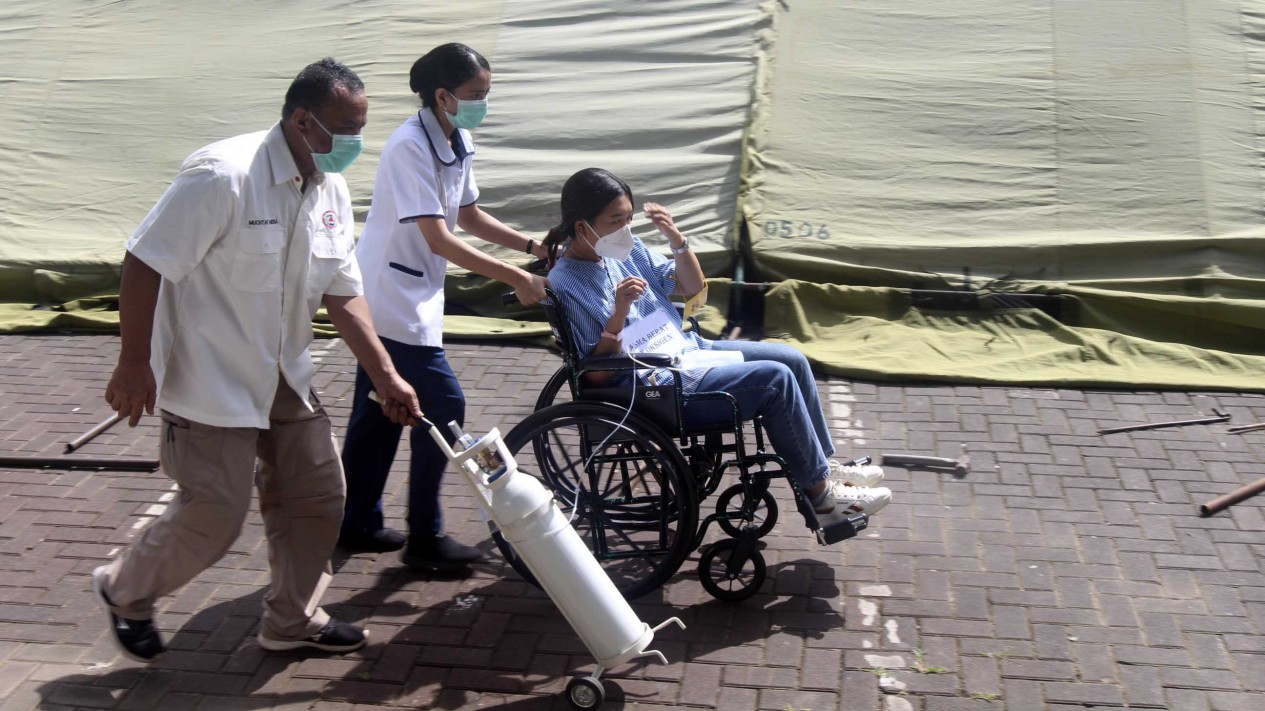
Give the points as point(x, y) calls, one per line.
point(330, 220)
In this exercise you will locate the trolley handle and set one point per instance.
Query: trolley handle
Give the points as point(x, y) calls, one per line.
point(421, 421)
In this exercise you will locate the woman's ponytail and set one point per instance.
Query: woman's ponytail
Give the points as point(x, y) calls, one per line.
point(554, 242)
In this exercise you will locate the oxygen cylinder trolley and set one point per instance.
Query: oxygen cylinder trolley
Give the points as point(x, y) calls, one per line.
point(526, 515)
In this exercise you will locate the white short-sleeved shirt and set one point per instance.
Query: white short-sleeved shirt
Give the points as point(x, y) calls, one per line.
point(419, 175)
point(245, 257)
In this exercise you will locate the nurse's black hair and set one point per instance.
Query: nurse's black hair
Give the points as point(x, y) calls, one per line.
point(447, 66)
point(317, 83)
point(584, 196)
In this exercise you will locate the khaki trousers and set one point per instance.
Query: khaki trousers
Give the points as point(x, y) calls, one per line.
point(301, 494)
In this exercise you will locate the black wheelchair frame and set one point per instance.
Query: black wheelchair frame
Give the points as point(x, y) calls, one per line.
point(632, 475)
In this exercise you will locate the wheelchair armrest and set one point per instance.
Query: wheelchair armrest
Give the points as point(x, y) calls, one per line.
point(722, 396)
point(623, 362)
point(715, 395)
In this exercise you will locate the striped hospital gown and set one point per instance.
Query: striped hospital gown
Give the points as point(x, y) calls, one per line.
point(587, 290)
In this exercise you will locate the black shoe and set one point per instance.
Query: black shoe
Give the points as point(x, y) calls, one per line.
point(136, 639)
point(438, 552)
point(383, 540)
point(335, 636)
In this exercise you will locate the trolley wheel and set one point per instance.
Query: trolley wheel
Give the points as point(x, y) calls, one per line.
point(625, 487)
point(720, 583)
point(764, 516)
point(585, 692)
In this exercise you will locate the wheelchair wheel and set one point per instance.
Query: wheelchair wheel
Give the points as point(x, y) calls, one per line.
point(625, 487)
point(730, 586)
point(558, 385)
point(730, 502)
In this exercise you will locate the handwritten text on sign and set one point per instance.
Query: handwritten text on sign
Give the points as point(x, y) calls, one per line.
point(655, 333)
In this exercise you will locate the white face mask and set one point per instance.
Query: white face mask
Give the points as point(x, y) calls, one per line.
point(616, 245)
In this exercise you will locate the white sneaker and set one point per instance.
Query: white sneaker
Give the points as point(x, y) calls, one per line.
point(853, 475)
point(851, 500)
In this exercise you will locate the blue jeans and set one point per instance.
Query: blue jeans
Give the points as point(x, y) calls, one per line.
point(372, 440)
point(775, 382)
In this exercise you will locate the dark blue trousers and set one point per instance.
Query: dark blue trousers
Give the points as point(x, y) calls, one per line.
point(372, 440)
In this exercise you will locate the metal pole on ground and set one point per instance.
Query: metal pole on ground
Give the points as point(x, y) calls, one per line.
point(79, 463)
point(1232, 498)
point(86, 437)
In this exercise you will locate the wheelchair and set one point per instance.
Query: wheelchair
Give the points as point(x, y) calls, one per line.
point(631, 476)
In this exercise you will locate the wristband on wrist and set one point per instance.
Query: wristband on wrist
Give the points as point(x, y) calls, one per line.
point(612, 336)
point(531, 244)
point(685, 247)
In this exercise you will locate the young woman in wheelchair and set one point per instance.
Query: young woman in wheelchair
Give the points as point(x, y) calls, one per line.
point(611, 281)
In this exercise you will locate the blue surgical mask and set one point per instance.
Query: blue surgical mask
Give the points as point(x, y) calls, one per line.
point(344, 151)
point(469, 113)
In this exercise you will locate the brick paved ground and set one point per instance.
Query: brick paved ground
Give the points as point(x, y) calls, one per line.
point(1067, 571)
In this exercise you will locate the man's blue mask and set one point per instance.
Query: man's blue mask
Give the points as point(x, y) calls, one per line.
point(344, 151)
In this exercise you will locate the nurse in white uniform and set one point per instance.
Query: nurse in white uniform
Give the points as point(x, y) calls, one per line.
point(424, 189)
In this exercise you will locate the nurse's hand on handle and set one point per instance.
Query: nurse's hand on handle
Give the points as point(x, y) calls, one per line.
point(398, 400)
point(132, 390)
point(531, 290)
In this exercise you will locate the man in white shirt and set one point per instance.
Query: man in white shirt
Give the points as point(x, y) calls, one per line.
point(220, 283)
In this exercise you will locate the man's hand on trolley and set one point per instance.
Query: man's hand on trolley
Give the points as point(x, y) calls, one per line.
point(398, 400)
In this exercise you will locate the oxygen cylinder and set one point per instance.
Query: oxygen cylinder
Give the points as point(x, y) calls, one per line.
point(553, 551)
point(525, 512)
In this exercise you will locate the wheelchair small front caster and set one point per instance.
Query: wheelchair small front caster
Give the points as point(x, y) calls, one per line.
point(728, 575)
point(585, 692)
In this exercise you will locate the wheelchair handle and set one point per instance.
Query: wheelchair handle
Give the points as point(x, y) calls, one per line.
point(511, 298)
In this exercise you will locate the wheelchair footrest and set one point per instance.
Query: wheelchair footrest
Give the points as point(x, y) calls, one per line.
point(842, 530)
